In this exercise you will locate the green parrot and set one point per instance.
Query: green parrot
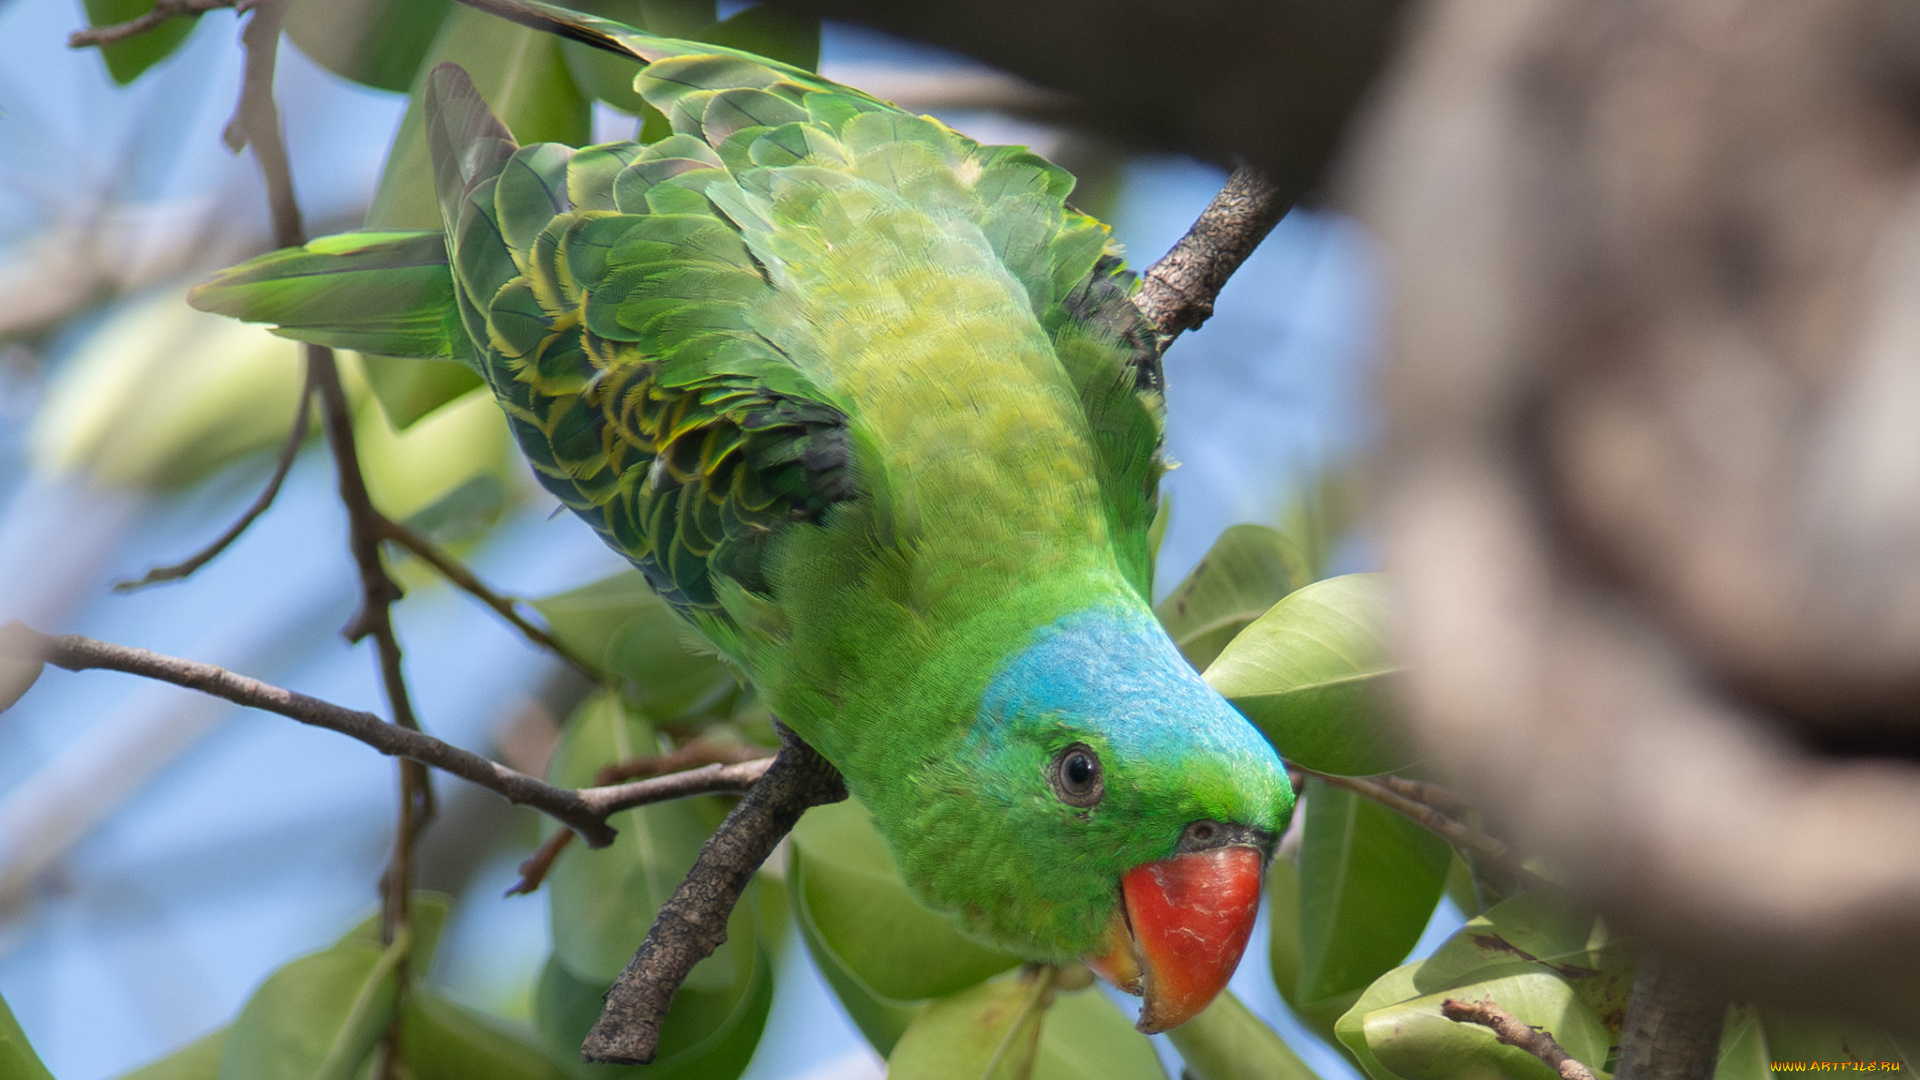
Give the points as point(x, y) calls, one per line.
point(872, 407)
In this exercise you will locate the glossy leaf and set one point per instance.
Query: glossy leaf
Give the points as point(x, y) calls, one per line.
point(881, 1021)
point(409, 388)
point(1311, 675)
point(17, 1059)
point(464, 513)
point(198, 1060)
point(1369, 881)
point(427, 913)
point(603, 901)
point(1283, 952)
point(409, 471)
point(442, 1040)
point(987, 1032)
point(378, 43)
point(1247, 571)
point(524, 79)
point(706, 1035)
point(128, 58)
point(161, 395)
point(1793, 1039)
point(1532, 955)
point(1743, 1048)
point(853, 899)
point(622, 625)
point(1087, 1037)
point(1413, 1038)
point(1227, 1042)
point(318, 1017)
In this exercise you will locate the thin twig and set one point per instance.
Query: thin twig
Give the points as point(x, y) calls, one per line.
point(464, 579)
point(1177, 293)
point(1441, 798)
point(693, 922)
point(583, 810)
point(163, 11)
point(697, 753)
point(1508, 1029)
point(1462, 836)
point(295, 439)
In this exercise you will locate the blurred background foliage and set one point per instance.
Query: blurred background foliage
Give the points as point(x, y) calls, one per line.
point(175, 875)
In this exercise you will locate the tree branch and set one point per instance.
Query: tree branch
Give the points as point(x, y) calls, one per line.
point(693, 922)
point(163, 11)
point(1673, 1024)
point(295, 439)
point(1508, 1029)
point(1177, 293)
point(583, 810)
point(464, 579)
point(695, 754)
point(1388, 792)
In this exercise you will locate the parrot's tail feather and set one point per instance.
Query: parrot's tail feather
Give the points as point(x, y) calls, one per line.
point(377, 292)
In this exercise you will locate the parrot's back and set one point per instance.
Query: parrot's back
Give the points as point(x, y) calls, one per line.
point(829, 374)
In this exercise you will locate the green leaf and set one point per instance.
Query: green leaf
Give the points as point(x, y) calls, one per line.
point(850, 895)
point(1743, 1048)
point(1532, 955)
point(1283, 952)
point(1087, 1037)
point(1311, 675)
point(427, 913)
point(1247, 571)
point(407, 472)
point(880, 1020)
point(463, 513)
point(1793, 1038)
point(1414, 1039)
point(161, 395)
point(379, 43)
point(523, 77)
point(1227, 1042)
point(772, 32)
point(127, 59)
point(622, 625)
point(602, 902)
point(198, 1060)
point(987, 1032)
point(706, 1035)
point(1369, 880)
point(17, 1059)
point(318, 1017)
point(442, 1040)
point(409, 388)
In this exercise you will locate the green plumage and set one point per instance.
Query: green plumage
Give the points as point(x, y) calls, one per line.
point(867, 401)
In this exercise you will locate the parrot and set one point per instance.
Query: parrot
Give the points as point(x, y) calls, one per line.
point(871, 406)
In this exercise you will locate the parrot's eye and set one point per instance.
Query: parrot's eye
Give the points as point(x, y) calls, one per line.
point(1076, 776)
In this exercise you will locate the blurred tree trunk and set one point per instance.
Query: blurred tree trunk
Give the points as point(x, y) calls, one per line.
point(1652, 486)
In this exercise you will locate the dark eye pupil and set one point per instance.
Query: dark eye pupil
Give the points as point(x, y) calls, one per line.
point(1075, 776)
point(1079, 771)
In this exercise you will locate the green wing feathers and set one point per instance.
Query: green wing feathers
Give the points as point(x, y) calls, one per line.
point(628, 304)
point(377, 292)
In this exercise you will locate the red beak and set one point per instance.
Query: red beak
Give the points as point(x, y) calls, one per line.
point(1185, 921)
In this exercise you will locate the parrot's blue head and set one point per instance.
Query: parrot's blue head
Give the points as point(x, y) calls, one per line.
point(1131, 813)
